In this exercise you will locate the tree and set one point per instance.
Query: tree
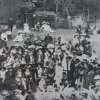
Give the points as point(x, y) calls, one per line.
point(57, 2)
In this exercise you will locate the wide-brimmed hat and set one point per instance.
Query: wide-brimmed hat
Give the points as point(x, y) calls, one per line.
point(44, 22)
point(26, 50)
point(39, 48)
point(50, 88)
point(2, 68)
point(31, 47)
point(50, 46)
point(9, 68)
point(97, 77)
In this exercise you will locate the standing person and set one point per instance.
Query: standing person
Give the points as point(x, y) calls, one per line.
point(69, 21)
point(59, 41)
point(87, 29)
point(9, 35)
point(10, 23)
point(30, 96)
point(69, 72)
point(79, 29)
point(48, 38)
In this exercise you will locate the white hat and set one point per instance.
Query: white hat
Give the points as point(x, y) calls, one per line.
point(44, 22)
point(97, 83)
point(93, 57)
point(50, 46)
point(35, 39)
point(17, 44)
point(84, 56)
point(97, 77)
point(39, 47)
point(20, 31)
point(50, 89)
point(63, 47)
point(31, 46)
point(26, 50)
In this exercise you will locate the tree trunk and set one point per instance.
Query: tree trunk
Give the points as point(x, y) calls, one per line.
point(44, 6)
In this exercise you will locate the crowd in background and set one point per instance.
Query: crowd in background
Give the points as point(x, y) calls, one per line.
point(50, 70)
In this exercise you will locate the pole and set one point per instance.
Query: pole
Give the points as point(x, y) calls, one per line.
point(95, 20)
point(88, 15)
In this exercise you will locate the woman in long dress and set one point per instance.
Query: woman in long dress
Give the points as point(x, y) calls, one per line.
point(64, 63)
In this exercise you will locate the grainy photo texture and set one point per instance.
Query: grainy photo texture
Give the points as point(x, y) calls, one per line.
point(49, 49)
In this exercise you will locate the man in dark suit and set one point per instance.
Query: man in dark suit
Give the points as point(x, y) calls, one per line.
point(30, 96)
point(10, 81)
point(10, 23)
point(48, 38)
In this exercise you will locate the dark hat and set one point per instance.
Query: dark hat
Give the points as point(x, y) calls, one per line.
point(9, 68)
point(2, 68)
point(29, 91)
point(69, 57)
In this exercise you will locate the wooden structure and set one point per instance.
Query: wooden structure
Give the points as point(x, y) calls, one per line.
point(38, 16)
point(9, 8)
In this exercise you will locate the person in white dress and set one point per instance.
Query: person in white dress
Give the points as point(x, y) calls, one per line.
point(4, 37)
point(58, 74)
point(64, 63)
point(46, 27)
point(26, 28)
point(2, 74)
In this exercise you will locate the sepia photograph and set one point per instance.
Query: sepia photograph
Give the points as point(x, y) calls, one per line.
point(49, 49)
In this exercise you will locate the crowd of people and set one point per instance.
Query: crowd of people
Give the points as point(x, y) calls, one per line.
point(50, 69)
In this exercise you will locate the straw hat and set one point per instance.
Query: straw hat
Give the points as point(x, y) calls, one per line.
point(50, 89)
point(39, 47)
point(31, 47)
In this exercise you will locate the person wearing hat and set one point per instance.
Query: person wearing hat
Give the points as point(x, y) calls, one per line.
point(2, 73)
point(64, 78)
point(28, 42)
point(37, 27)
point(10, 77)
point(30, 83)
point(79, 29)
point(69, 69)
point(48, 39)
point(34, 72)
point(97, 78)
point(47, 57)
point(87, 29)
point(2, 54)
point(39, 57)
point(80, 74)
point(67, 92)
point(30, 95)
point(11, 23)
point(51, 73)
point(27, 56)
point(9, 34)
point(4, 37)
point(59, 41)
point(51, 94)
point(88, 49)
point(89, 77)
point(78, 50)
point(17, 61)
point(26, 28)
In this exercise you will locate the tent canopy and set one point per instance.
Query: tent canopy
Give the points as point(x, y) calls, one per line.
point(45, 14)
